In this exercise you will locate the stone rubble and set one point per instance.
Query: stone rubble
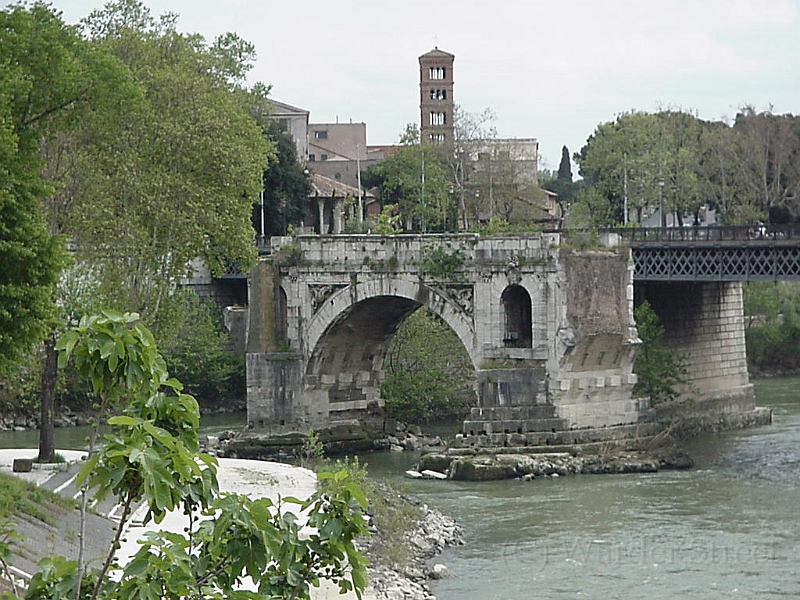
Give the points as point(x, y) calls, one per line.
point(495, 466)
point(429, 537)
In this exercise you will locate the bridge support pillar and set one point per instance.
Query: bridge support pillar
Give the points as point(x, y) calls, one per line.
point(704, 324)
point(273, 376)
point(272, 379)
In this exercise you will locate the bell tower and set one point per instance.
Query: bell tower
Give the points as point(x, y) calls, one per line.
point(436, 96)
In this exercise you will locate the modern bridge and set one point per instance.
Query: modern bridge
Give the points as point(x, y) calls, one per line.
point(717, 253)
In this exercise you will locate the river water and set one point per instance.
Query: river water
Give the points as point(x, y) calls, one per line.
point(729, 528)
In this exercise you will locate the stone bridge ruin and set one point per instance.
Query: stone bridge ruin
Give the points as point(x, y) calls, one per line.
point(549, 330)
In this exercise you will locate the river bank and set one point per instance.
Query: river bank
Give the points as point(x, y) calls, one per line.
point(405, 575)
point(426, 536)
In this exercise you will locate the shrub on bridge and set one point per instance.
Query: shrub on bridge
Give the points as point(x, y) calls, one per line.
point(441, 264)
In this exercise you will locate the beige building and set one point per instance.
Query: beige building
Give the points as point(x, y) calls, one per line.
point(338, 151)
point(294, 121)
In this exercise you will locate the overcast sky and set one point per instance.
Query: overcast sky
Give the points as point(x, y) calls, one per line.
point(551, 70)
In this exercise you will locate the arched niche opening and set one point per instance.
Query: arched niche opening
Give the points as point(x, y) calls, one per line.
point(282, 317)
point(518, 322)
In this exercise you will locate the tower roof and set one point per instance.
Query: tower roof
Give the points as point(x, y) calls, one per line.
point(437, 53)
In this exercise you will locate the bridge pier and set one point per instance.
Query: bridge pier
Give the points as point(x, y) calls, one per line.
point(704, 325)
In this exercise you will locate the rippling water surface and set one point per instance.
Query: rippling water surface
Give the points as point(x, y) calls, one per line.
point(730, 528)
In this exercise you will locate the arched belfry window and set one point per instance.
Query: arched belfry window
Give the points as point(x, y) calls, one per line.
point(518, 325)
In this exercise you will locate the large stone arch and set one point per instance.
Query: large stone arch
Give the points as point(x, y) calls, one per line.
point(347, 340)
point(454, 304)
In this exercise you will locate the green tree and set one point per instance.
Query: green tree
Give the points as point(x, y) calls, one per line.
point(43, 81)
point(660, 371)
point(151, 456)
point(772, 333)
point(286, 185)
point(176, 179)
point(645, 162)
point(52, 82)
point(766, 167)
point(415, 179)
point(428, 372)
point(565, 166)
point(199, 355)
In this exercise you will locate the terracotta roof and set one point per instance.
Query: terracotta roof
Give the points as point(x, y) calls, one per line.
point(437, 52)
point(325, 186)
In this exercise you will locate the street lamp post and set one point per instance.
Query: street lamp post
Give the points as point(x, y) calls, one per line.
point(661, 214)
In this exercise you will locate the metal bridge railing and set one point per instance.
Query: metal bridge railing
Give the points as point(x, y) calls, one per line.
point(714, 233)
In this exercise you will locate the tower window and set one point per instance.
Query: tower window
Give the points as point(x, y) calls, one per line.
point(437, 138)
point(438, 94)
point(437, 118)
point(436, 73)
point(321, 135)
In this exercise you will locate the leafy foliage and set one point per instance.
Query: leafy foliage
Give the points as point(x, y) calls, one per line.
point(286, 184)
point(415, 180)
point(746, 170)
point(440, 264)
point(772, 314)
point(428, 372)
point(151, 455)
point(198, 355)
point(659, 370)
point(175, 176)
point(43, 76)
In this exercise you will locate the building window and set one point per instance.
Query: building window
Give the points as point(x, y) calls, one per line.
point(437, 118)
point(312, 158)
point(438, 94)
point(321, 135)
point(323, 157)
point(436, 73)
point(437, 138)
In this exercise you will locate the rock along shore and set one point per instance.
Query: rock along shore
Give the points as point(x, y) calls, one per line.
point(427, 537)
point(528, 463)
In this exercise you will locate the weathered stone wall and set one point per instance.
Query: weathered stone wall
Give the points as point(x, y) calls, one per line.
point(273, 377)
point(319, 329)
point(591, 369)
point(273, 404)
